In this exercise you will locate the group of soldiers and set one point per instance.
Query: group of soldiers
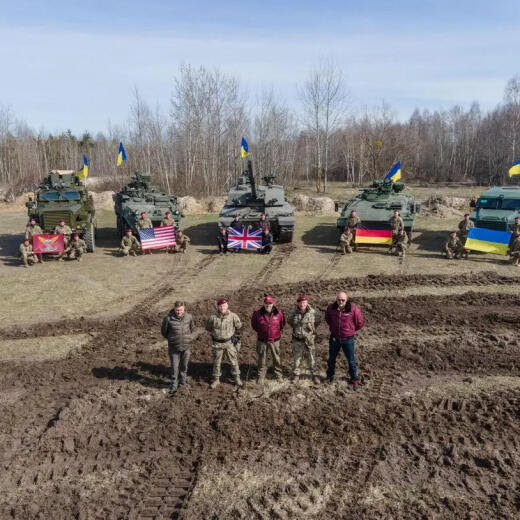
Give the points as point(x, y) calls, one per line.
point(74, 245)
point(343, 318)
point(454, 246)
point(399, 245)
point(130, 245)
point(263, 223)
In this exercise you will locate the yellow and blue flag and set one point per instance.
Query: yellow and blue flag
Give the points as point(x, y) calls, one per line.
point(244, 148)
point(488, 240)
point(121, 156)
point(515, 169)
point(395, 172)
point(83, 173)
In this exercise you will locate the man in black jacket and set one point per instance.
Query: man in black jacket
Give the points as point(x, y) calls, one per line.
point(178, 328)
point(267, 242)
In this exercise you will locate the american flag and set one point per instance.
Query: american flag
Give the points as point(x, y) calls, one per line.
point(244, 238)
point(153, 238)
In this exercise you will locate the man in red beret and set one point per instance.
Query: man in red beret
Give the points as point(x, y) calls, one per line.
point(268, 323)
point(224, 327)
point(344, 320)
point(303, 322)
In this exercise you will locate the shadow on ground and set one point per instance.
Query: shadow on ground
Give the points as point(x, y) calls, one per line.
point(322, 235)
point(204, 234)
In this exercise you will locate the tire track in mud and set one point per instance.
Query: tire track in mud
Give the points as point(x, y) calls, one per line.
point(279, 255)
point(331, 265)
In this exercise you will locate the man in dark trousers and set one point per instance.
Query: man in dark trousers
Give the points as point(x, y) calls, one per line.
point(267, 242)
point(268, 323)
point(222, 240)
point(179, 329)
point(344, 320)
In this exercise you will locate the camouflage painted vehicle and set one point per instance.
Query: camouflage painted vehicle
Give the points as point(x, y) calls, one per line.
point(62, 195)
point(141, 195)
point(497, 208)
point(249, 200)
point(375, 206)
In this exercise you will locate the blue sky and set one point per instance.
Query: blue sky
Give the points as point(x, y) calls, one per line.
point(71, 64)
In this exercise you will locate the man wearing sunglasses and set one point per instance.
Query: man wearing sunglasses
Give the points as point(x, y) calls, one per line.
point(344, 320)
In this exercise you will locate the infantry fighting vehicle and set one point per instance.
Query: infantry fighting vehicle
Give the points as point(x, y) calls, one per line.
point(497, 208)
point(141, 195)
point(248, 200)
point(375, 206)
point(62, 195)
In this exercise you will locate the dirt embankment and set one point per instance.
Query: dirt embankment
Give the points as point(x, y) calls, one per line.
point(433, 433)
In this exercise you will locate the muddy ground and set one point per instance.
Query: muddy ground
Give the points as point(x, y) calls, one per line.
point(434, 432)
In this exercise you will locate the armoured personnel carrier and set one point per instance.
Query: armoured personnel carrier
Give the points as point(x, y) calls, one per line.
point(497, 208)
point(62, 195)
point(375, 206)
point(248, 200)
point(141, 195)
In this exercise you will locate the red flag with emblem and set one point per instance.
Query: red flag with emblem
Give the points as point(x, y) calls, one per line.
point(48, 243)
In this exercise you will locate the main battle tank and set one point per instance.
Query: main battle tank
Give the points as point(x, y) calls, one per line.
point(249, 200)
point(141, 195)
point(62, 195)
point(375, 206)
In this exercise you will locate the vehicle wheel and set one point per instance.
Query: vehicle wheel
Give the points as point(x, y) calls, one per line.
point(89, 238)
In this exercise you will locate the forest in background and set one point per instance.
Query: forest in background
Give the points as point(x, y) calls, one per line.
point(194, 148)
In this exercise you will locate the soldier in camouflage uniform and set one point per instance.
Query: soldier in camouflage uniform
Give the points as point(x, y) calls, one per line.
point(352, 223)
point(144, 222)
point(168, 219)
point(129, 244)
point(182, 242)
point(515, 231)
point(514, 251)
point(345, 240)
point(27, 256)
point(64, 230)
point(401, 244)
point(453, 247)
point(224, 327)
point(464, 227)
point(396, 224)
point(77, 247)
point(303, 322)
point(33, 229)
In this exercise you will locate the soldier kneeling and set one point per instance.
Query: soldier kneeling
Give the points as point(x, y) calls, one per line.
point(453, 247)
point(77, 247)
point(400, 244)
point(182, 242)
point(27, 256)
point(129, 244)
point(514, 251)
point(345, 240)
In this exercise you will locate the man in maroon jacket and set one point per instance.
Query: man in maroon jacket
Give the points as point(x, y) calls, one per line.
point(344, 320)
point(268, 323)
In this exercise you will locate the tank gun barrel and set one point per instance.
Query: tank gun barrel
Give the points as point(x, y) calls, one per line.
point(251, 178)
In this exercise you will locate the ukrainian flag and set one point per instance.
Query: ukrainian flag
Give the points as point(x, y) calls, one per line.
point(515, 169)
point(395, 173)
point(488, 241)
point(83, 173)
point(121, 156)
point(244, 148)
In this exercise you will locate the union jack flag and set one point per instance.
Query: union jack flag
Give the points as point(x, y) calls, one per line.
point(244, 238)
point(153, 238)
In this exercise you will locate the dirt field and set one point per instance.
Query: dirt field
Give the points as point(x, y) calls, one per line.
point(87, 430)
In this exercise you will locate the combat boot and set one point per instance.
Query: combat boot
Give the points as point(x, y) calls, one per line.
point(238, 382)
point(214, 384)
point(172, 389)
point(316, 380)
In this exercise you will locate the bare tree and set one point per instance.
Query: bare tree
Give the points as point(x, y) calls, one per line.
point(324, 102)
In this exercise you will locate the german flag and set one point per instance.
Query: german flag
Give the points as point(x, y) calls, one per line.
point(373, 236)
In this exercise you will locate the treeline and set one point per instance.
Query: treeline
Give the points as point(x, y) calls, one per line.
point(194, 148)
